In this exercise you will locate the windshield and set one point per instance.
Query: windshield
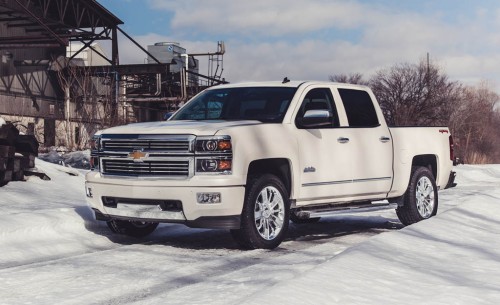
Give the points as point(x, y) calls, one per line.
point(265, 104)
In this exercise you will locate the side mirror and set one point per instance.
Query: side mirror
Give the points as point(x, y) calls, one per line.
point(316, 118)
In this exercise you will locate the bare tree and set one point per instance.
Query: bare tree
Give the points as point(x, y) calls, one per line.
point(354, 78)
point(421, 95)
point(475, 123)
point(415, 95)
point(89, 102)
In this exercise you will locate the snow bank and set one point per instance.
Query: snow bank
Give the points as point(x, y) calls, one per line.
point(76, 159)
point(2, 121)
point(453, 258)
point(42, 219)
point(52, 252)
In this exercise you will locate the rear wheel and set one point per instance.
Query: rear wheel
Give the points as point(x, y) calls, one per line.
point(265, 216)
point(421, 198)
point(132, 228)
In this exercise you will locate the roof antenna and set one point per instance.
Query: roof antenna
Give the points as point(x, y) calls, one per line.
point(285, 80)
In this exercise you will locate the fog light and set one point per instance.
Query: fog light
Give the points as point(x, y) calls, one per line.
point(208, 197)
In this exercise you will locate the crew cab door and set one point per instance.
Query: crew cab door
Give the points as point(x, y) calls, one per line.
point(370, 141)
point(325, 158)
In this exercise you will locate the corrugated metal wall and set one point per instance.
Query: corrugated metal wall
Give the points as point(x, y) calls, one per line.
point(27, 87)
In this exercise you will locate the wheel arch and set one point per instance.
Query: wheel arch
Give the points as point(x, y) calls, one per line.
point(280, 167)
point(429, 161)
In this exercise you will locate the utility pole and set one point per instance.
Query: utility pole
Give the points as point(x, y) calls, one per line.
point(428, 63)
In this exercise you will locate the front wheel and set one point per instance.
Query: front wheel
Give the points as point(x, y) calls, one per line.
point(421, 198)
point(132, 228)
point(265, 216)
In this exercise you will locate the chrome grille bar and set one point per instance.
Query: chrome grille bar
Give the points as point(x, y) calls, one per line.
point(161, 168)
point(147, 145)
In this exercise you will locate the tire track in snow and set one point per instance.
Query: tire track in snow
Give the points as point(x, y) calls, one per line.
point(231, 273)
point(180, 261)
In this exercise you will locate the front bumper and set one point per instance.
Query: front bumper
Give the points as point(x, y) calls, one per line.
point(146, 203)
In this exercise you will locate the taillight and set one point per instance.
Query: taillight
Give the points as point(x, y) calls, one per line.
point(452, 152)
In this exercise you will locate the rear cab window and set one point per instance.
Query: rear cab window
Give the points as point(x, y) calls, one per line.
point(359, 108)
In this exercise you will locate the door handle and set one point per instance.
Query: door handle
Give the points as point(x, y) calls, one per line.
point(343, 140)
point(384, 139)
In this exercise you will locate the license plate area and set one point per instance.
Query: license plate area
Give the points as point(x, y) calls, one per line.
point(138, 207)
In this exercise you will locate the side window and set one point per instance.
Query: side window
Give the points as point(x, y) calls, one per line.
point(319, 99)
point(359, 108)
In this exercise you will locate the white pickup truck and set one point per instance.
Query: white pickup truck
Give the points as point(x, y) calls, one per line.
point(251, 157)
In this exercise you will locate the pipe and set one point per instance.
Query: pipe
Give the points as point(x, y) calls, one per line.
point(184, 76)
point(186, 62)
point(183, 84)
point(158, 84)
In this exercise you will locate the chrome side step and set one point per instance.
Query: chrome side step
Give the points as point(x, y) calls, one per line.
point(335, 209)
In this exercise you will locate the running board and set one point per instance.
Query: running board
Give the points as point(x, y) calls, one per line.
point(332, 209)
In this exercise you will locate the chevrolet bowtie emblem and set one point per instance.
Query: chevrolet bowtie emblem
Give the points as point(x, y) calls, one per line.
point(138, 155)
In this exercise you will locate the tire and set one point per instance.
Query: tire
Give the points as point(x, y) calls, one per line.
point(297, 220)
point(420, 200)
point(266, 214)
point(132, 228)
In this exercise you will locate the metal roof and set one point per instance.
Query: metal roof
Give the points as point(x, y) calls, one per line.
point(53, 23)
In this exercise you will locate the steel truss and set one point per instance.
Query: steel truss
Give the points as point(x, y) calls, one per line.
point(55, 23)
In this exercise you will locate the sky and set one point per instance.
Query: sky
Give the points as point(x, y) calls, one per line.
point(310, 40)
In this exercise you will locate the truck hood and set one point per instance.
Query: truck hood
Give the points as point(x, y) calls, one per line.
point(202, 128)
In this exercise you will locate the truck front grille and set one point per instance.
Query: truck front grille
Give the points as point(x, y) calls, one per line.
point(145, 144)
point(118, 166)
point(146, 155)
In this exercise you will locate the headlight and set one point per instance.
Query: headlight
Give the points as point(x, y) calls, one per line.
point(213, 165)
point(222, 144)
point(95, 146)
point(95, 143)
point(214, 155)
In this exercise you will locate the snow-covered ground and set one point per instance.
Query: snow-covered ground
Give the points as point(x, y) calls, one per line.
point(53, 252)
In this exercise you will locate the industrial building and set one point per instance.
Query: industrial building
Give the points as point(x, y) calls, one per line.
point(58, 83)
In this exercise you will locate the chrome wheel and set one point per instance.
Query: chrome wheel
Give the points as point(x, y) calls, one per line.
point(269, 212)
point(265, 215)
point(425, 197)
point(420, 201)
